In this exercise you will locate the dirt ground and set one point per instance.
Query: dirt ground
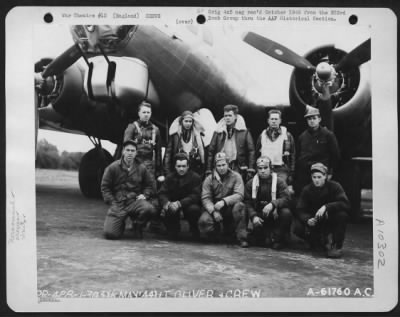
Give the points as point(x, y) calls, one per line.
point(73, 256)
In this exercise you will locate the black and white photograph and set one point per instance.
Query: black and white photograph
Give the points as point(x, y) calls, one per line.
point(202, 159)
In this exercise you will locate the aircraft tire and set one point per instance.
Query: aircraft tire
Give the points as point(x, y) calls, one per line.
point(91, 170)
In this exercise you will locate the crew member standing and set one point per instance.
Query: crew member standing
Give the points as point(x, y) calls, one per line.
point(147, 136)
point(233, 138)
point(316, 144)
point(277, 143)
point(185, 137)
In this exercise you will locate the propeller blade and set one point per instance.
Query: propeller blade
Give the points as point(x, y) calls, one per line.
point(356, 57)
point(62, 62)
point(277, 51)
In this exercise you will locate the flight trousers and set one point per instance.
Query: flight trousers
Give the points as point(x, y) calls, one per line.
point(334, 224)
point(234, 222)
point(140, 211)
point(191, 213)
point(274, 229)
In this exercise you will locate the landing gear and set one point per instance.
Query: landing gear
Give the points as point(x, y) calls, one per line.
point(91, 170)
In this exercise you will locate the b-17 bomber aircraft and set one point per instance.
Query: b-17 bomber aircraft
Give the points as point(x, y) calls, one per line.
point(96, 85)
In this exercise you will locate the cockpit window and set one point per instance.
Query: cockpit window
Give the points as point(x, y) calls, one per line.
point(78, 32)
point(107, 36)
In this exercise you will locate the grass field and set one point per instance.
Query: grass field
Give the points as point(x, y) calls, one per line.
point(56, 177)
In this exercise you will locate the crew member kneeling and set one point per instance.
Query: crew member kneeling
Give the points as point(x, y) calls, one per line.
point(222, 196)
point(322, 210)
point(267, 200)
point(179, 196)
point(126, 186)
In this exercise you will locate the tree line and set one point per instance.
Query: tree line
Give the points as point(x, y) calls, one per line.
point(48, 156)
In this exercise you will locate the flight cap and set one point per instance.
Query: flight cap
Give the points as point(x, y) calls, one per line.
point(220, 156)
point(311, 111)
point(319, 167)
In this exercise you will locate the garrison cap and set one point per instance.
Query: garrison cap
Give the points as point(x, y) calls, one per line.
point(263, 161)
point(220, 156)
point(311, 111)
point(319, 167)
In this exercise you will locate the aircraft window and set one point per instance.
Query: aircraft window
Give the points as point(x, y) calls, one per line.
point(123, 31)
point(80, 33)
point(90, 28)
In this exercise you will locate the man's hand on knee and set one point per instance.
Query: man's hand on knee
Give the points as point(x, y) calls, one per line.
point(257, 221)
point(217, 216)
point(219, 205)
point(312, 222)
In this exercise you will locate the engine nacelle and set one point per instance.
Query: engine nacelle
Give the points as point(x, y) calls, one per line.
point(353, 103)
point(68, 89)
point(124, 81)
